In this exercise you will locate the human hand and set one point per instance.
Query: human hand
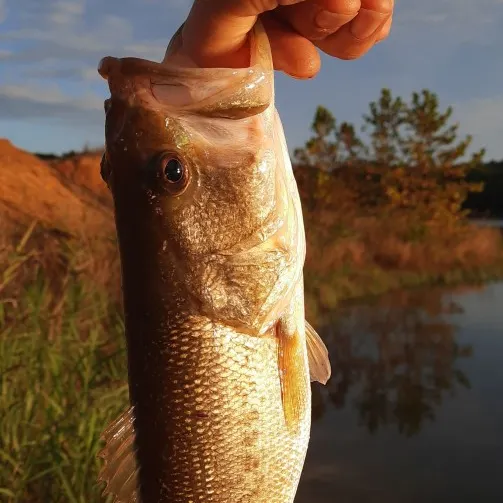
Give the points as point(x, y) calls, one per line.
point(216, 31)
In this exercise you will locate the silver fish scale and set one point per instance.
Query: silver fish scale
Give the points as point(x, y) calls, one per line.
point(241, 450)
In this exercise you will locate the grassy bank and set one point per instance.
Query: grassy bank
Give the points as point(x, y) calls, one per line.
point(356, 258)
point(324, 294)
point(62, 373)
point(62, 380)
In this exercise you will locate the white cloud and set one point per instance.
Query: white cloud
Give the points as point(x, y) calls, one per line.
point(111, 32)
point(52, 70)
point(66, 12)
point(27, 101)
point(63, 35)
point(482, 117)
point(454, 20)
point(51, 95)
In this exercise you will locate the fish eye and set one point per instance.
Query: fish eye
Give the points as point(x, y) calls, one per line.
point(173, 170)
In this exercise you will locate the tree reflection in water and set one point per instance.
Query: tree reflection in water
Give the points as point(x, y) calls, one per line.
point(398, 356)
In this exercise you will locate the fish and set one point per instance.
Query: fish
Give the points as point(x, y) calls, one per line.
point(212, 247)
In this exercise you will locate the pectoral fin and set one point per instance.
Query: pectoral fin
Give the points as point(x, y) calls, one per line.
point(120, 469)
point(292, 372)
point(317, 353)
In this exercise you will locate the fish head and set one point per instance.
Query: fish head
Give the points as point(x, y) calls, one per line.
point(203, 199)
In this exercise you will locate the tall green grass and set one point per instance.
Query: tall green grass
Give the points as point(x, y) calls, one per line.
point(62, 379)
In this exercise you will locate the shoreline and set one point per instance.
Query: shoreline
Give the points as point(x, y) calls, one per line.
point(323, 295)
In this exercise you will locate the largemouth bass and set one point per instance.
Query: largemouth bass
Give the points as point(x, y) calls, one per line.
point(212, 247)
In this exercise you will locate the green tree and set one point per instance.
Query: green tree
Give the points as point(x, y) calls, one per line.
point(331, 145)
point(384, 124)
point(429, 139)
point(352, 149)
point(421, 159)
point(320, 150)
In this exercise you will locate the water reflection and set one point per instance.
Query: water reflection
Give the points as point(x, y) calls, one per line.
point(397, 423)
point(394, 360)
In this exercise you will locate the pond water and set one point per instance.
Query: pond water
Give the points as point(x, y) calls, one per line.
point(413, 412)
point(487, 222)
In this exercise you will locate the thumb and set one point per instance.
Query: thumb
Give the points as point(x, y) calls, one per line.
point(216, 31)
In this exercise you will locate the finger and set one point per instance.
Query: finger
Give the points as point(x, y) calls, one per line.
point(216, 31)
point(319, 18)
point(291, 52)
point(357, 37)
point(385, 30)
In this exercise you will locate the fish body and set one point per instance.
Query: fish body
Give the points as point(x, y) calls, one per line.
point(212, 247)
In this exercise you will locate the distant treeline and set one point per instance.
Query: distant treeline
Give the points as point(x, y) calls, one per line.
point(489, 202)
point(86, 150)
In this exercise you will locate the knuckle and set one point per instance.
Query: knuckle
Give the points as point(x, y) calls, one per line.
point(382, 6)
point(346, 7)
point(348, 53)
point(352, 7)
point(263, 5)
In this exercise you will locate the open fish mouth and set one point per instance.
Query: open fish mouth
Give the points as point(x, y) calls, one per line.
point(179, 88)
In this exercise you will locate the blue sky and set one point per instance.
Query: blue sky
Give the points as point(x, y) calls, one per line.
point(51, 97)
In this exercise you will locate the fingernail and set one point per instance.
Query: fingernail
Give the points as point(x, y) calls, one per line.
point(327, 20)
point(363, 26)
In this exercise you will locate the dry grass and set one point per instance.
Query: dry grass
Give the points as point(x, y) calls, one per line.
point(371, 242)
point(350, 256)
point(28, 252)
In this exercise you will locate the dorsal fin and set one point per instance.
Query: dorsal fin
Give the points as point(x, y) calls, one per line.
point(317, 354)
point(120, 471)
